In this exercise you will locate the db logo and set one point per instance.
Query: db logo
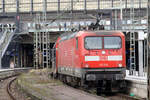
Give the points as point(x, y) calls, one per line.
point(104, 58)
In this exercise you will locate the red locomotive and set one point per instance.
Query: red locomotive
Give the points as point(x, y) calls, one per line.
point(92, 58)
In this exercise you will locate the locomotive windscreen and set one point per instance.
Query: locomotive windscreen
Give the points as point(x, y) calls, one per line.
point(112, 42)
point(93, 42)
point(108, 42)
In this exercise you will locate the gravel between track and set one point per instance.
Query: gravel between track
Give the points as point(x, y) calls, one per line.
point(37, 84)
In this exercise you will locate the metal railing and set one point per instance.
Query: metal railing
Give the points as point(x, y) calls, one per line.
point(8, 33)
point(57, 5)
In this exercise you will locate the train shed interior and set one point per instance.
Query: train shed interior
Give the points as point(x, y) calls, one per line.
point(29, 30)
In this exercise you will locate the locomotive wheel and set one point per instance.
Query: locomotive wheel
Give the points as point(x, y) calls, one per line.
point(62, 78)
point(108, 87)
point(99, 91)
point(74, 82)
point(99, 87)
point(123, 87)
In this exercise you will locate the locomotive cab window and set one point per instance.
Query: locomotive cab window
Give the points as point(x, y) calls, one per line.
point(112, 43)
point(93, 42)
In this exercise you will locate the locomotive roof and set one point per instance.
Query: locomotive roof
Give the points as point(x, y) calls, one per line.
point(68, 35)
point(104, 32)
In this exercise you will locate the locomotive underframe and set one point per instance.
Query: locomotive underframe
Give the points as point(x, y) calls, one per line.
point(103, 74)
point(104, 79)
point(94, 74)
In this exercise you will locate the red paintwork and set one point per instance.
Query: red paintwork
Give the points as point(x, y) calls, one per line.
point(68, 56)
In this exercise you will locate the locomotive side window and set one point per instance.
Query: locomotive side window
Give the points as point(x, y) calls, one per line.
point(112, 42)
point(93, 42)
point(76, 43)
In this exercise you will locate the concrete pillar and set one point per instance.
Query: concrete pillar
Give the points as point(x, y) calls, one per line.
point(98, 4)
point(85, 5)
point(3, 6)
point(24, 58)
point(111, 20)
point(21, 51)
point(58, 5)
point(31, 6)
point(140, 4)
point(126, 4)
point(121, 13)
point(17, 17)
point(141, 52)
point(44, 5)
point(14, 58)
point(112, 3)
point(19, 55)
point(140, 48)
point(71, 5)
point(17, 5)
point(116, 20)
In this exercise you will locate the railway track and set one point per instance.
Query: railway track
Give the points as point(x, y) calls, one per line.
point(7, 85)
point(9, 95)
point(111, 96)
point(6, 88)
point(9, 91)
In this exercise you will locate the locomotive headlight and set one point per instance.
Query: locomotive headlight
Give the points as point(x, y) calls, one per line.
point(103, 52)
point(120, 65)
point(86, 65)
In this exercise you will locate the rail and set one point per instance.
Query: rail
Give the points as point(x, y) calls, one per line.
point(8, 88)
point(9, 91)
